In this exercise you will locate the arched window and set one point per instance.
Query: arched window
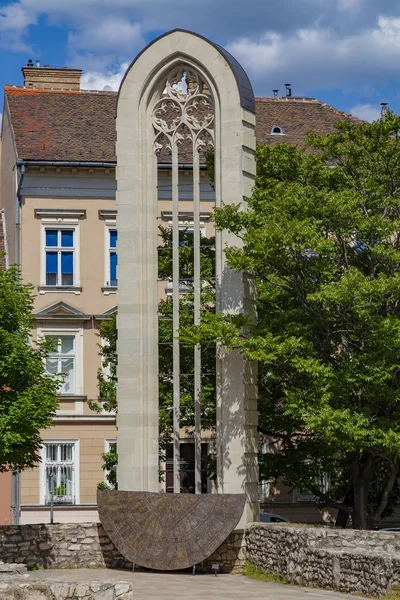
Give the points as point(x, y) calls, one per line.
point(276, 130)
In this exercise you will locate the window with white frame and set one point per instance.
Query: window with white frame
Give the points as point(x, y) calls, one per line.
point(111, 279)
point(62, 360)
point(109, 446)
point(60, 256)
point(60, 472)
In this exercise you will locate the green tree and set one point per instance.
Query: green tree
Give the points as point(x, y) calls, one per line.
point(321, 236)
point(27, 392)
point(107, 378)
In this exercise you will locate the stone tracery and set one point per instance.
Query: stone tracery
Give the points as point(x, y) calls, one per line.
point(185, 99)
point(183, 124)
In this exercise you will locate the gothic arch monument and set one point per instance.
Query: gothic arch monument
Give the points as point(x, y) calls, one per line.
point(181, 94)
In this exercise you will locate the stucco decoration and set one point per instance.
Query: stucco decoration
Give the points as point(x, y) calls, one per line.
point(185, 95)
point(168, 531)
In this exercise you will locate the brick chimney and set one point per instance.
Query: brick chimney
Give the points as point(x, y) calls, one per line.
point(47, 78)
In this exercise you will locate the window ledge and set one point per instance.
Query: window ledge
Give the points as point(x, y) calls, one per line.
point(75, 289)
point(71, 397)
point(77, 506)
point(109, 289)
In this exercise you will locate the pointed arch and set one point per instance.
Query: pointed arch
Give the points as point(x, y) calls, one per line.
point(213, 74)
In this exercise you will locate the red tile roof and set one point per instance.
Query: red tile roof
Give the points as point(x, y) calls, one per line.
point(297, 117)
point(60, 125)
point(79, 125)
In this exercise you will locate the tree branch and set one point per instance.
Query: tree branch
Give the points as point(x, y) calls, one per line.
point(332, 503)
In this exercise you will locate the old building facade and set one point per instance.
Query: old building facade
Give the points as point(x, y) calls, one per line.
point(57, 179)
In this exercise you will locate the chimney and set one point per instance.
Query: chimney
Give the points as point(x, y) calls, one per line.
point(288, 90)
point(48, 78)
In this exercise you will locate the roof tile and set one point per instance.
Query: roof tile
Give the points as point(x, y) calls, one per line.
point(55, 125)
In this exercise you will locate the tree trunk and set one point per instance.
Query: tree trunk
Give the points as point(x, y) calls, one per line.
point(343, 515)
point(361, 471)
point(394, 472)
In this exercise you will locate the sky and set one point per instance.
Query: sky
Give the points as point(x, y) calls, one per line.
point(343, 52)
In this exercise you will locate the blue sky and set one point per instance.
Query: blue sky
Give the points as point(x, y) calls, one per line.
point(344, 52)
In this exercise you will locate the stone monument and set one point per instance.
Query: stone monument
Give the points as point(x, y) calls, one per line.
point(181, 89)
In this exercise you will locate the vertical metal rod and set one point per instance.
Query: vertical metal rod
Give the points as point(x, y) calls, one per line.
point(17, 498)
point(12, 498)
point(51, 498)
point(197, 349)
point(175, 316)
point(219, 307)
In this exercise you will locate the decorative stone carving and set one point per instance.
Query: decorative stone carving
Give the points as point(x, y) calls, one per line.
point(168, 531)
point(184, 111)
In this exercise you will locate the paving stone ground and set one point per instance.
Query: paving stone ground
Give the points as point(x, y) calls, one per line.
point(179, 586)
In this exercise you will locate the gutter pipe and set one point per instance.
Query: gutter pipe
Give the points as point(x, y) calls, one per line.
point(21, 176)
point(87, 164)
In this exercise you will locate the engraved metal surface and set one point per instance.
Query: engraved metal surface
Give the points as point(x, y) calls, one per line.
point(168, 532)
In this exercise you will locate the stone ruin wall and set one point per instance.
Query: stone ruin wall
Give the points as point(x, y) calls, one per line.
point(69, 545)
point(362, 562)
point(86, 545)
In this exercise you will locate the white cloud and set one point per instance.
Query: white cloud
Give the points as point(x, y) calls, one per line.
point(95, 80)
point(349, 5)
point(113, 35)
point(319, 58)
point(14, 22)
point(345, 44)
point(366, 112)
point(14, 17)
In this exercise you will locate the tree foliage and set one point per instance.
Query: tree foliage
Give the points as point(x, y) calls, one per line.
point(321, 236)
point(27, 392)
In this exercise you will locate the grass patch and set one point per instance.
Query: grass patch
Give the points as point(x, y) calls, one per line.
point(271, 576)
point(394, 594)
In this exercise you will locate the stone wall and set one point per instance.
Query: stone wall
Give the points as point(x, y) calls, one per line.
point(363, 562)
point(17, 584)
point(70, 545)
point(86, 545)
point(231, 555)
point(18, 589)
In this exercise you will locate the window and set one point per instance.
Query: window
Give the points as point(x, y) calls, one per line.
point(186, 238)
point(276, 130)
point(60, 472)
point(62, 360)
point(305, 495)
point(112, 258)
point(109, 446)
point(59, 251)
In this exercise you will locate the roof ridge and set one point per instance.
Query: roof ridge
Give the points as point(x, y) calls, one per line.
point(291, 99)
point(9, 89)
point(340, 112)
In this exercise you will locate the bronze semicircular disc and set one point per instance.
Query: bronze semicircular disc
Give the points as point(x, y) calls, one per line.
point(167, 532)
